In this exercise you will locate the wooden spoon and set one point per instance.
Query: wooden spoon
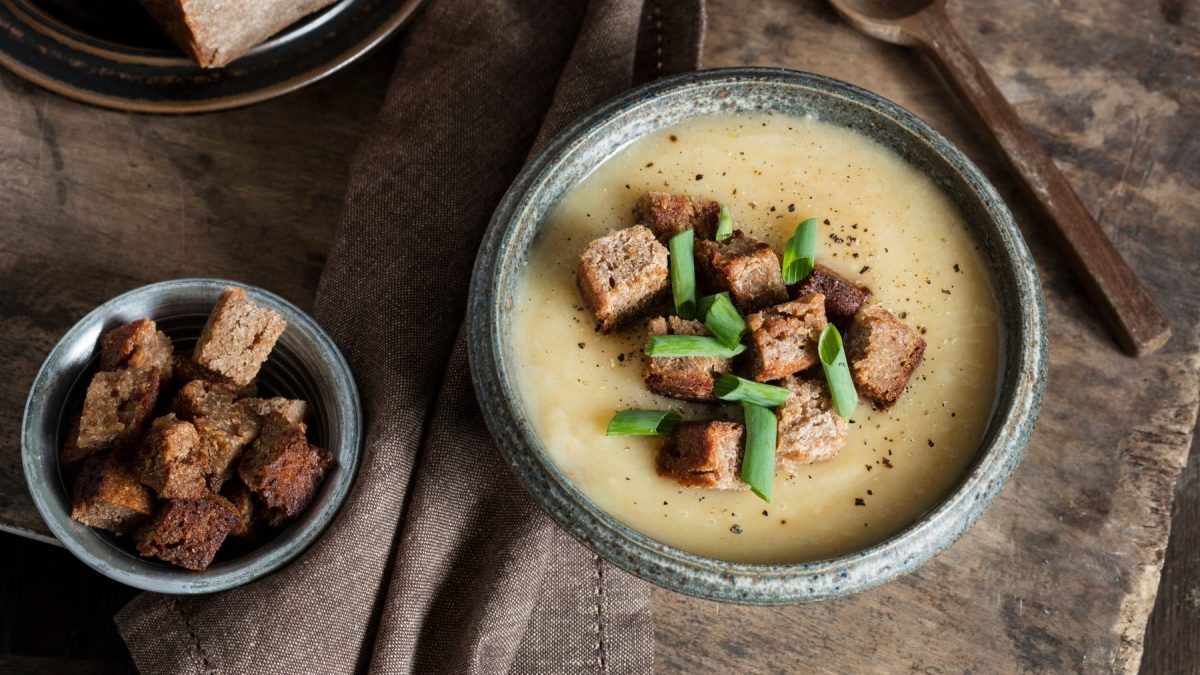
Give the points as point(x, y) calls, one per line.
point(1136, 321)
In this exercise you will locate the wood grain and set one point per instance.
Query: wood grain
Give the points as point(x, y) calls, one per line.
point(1060, 575)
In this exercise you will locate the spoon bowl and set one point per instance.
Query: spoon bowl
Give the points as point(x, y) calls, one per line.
point(886, 20)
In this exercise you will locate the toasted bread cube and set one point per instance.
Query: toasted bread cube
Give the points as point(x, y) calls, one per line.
point(116, 408)
point(784, 338)
point(883, 353)
point(809, 429)
point(224, 436)
point(685, 377)
point(71, 452)
point(704, 455)
point(188, 532)
point(842, 296)
point(243, 503)
point(171, 460)
point(282, 468)
point(137, 345)
point(623, 275)
point(108, 496)
point(744, 266)
point(294, 410)
point(200, 398)
point(185, 370)
point(669, 214)
point(238, 337)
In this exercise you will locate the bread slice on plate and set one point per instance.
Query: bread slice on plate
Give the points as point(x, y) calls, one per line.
point(215, 32)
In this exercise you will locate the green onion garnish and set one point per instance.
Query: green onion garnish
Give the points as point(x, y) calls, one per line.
point(734, 388)
point(690, 345)
point(683, 274)
point(643, 423)
point(837, 371)
point(799, 252)
point(723, 319)
point(704, 304)
point(724, 225)
point(758, 464)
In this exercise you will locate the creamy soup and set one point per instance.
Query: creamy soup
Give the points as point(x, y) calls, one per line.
point(885, 225)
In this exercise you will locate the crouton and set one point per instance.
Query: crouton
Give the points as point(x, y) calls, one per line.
point(809, 429)
point(115, 409)
point(686, 377)
point(200, 398)
point(883, 353)
point(623, 275)
point(294, 410)
point(704, 455)
point(784, 338)
point(71, 452)
point(238, 337)
point(171, 461)
point(185, 370)
point(744, 266)
point(242, 500)
point(669, 214)
point(282, 468)
point(223, 438)
point(137, 345)
point(107, 494)
point(188, 532)
point(842, 296)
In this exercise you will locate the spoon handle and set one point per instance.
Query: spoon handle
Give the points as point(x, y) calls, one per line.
point(1136, 321)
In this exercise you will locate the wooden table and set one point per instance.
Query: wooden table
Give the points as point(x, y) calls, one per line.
point(1061, 574)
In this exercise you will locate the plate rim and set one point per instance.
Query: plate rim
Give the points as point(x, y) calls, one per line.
point(399, 16)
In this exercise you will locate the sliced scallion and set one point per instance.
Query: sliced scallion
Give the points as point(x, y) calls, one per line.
point(690, 345)
point(799, 252)
point(734, 388)
point(837, 371)
point(683, 273)
point(704, 304)
point(724, 225)
point(722, 319)
point(643, 423)
point(758, 464)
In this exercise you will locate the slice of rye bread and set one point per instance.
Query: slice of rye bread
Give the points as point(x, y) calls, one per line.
point(215, 32)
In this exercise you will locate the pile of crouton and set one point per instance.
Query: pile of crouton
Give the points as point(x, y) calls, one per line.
point(179, 451)
point(624, 277)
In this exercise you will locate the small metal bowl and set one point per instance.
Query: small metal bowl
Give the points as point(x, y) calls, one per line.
point(305, 364)
point(604, 132)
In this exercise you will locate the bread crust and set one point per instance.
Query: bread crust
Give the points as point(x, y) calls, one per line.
point(843, 297)
point(744, 266)
point(689, 378)
point(666, 215)
point(883, 353)
point(623, 275)
point(188, 532)
point(238, 337)
point(704, 455)
point(784, 338)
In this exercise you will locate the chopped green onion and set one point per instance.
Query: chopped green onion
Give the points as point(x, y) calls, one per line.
point(704, 304)
point(837, 371)
point(799, 252)
point(690, 345)
point(643, 423)
point(683, 274)
point(734, 388)
point(758, 464)
point(724, 225)
point(723, 319)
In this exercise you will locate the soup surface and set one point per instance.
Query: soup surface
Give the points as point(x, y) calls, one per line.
point(885, 225)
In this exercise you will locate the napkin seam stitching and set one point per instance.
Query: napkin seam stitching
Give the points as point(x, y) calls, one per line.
point(199, 647)
point(601, 647)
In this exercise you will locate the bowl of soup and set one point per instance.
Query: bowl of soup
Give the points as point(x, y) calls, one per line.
point(900, 213)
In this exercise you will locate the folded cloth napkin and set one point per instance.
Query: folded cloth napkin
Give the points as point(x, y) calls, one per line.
point(439, 561)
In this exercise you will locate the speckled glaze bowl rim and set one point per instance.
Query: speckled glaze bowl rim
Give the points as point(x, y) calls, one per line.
point(96, 551)
point(1021, 375)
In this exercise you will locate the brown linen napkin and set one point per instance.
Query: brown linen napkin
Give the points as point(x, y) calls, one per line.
point(439, 561)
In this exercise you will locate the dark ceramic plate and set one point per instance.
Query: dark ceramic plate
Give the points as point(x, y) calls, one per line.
point(112, 54)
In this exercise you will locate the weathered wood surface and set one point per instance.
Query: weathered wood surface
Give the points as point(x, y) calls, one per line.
point(1059, 575)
